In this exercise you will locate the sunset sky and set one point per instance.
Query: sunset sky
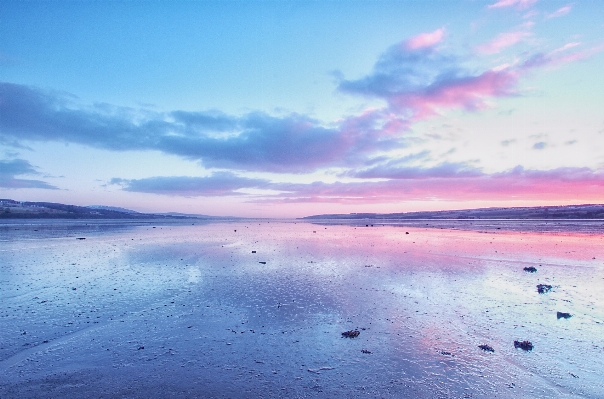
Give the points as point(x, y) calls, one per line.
point(294, 108)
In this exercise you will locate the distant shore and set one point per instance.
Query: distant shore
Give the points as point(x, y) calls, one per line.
point(587, 211)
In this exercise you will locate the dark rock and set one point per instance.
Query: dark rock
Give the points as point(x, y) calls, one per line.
point(351, 333)
point(530, 269)
point(406, 232)
point(365, 351)
point(80, 238)
point(543, 288)
point(524, 345)
point(264, 263)
point(563, 315)
point(141, 347)
point(253, 252)
point(486, 348)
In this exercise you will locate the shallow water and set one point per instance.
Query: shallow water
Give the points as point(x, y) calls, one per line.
point(160, 310)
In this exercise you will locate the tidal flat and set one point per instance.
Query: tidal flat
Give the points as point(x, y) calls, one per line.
point(257, 309)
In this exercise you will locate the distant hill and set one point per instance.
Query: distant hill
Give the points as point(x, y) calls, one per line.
point(111, 208)
point(540, 212)
point(11, 209)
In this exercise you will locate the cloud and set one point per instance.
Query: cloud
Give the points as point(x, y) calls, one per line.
point(502, 41)
point(567, 46)
point(446, 182)
point(415, 78)
point(398, 170)
point(416, 83)
point(423, 40)
point(515, 184)
point(561, 56)
point(518, 4)
point(560, 12)
point(9, 169)
point(217, 184)
point(255, 141)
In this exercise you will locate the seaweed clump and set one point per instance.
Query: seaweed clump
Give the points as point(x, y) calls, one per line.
point(543, 288)
point(486, 348)
point(351, 333)
point(530, 269)
point(524, 345)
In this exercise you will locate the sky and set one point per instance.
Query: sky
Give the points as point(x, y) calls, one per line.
point(296, 108)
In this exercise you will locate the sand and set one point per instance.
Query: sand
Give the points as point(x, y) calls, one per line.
point(189, 311)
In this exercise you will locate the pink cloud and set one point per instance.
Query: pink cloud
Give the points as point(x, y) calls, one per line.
point(562, 184)
point(425, 39)
point(578, 55)
point(469, 93)
point(566, 47)
point(519, 4)
point(555, 58)
point(502, 41)
point(416, 84)
point(560, 12)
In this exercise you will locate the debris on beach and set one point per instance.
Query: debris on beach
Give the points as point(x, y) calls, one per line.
point(351, 333)
point(563, 315)
point(524, 345)
point(486, 348)
point(406, 232)
point(365, 351)
point(543, 288)
point(80, 238)
point(264, 263)
point(318, 371)
point(253, 252)
point(530, 269)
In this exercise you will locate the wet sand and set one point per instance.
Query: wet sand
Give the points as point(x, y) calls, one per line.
point(190, 311)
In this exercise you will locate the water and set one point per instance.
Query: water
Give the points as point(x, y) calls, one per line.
point(159, 310)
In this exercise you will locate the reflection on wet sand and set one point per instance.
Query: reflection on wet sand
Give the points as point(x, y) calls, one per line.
point(248, 309)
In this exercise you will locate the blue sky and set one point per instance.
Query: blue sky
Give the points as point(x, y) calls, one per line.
point(296, 108)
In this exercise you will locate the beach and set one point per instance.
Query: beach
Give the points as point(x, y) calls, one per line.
point(257, 308)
